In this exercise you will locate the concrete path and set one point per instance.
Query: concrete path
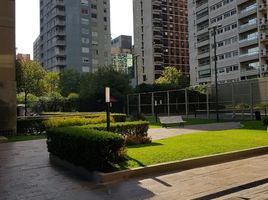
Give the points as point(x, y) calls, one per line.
point(161, 133)
point(27, 174)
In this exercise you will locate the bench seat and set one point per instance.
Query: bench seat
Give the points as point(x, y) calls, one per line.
point(165, 120)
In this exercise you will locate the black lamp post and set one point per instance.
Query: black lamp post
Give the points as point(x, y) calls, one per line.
point(214, 29)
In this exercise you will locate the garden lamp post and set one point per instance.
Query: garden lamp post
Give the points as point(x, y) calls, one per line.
point(214, 29)
point(107, 100)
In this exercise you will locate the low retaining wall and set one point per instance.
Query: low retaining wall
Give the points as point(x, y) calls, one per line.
point(106, 178)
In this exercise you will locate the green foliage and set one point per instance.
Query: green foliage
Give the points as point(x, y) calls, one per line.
point(133, 132)
point(30, 79)
point(74, 121)
point(69, 82)
point(93, 85)
point(173, 76)
point(92, 149)
point(265, 121)
point(52, 80)
point(73, 96)
point(31, 126)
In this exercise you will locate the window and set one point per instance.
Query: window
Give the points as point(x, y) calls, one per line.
point(85, 60)
point(84, 2)
point(94, 34)
point(85, 50)
point(84, 11)
point(94, 15)
point(85, 40)
point(85, 69)
point(85, 31)
point(85, 21)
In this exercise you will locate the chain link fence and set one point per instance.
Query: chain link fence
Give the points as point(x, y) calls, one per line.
point(237, 100)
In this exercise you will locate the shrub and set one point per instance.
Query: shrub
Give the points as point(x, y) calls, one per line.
point(265, 121)
point(92, 149)
point(73, 121)
point(134, 132)
point(30, 126)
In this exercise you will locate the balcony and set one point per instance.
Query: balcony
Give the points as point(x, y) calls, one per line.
point(248, 26)
point(202, 43)
point(202, 19)
point(244, 57)
point(203, 55)
point(247, 11)
point(248, 42)
point(252, 72)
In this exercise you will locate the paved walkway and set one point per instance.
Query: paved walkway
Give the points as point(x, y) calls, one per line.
point(26, 174)
point(161, 133)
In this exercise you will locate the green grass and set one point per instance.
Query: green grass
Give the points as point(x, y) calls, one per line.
point(154, 124)
point(197, 144)
point(25, 138)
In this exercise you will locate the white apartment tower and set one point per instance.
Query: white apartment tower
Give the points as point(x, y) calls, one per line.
point(242, 40)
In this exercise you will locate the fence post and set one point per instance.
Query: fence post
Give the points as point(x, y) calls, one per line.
point(186, 103)
point(168, 103)
point(251, 100)
point(207, 104)
point(139, 103)
point(152, 104)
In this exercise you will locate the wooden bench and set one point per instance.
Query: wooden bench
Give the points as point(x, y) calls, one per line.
point(171, 120)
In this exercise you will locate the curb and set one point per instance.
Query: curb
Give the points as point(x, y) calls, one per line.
point(108, 178)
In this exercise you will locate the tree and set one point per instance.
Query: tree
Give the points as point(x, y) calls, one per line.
point(30, 79)
point(52, 81)
point(92, 88)
point(173, 76)
point(69, 82)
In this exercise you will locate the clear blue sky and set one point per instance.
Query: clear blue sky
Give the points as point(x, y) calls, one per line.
point(27, 22)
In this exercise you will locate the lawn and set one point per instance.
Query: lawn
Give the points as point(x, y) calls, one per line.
point(192, 121)
point(197, 144)
point(25, 138)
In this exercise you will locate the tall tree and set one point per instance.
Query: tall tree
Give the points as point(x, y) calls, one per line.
point(52, 81)
point(173, 76)
point(30, 79)
point(69, 82)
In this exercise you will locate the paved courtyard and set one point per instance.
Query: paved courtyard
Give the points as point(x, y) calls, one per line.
point(161, 133)
point(26, 174)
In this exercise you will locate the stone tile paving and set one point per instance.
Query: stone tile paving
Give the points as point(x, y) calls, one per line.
point(26, 173)
point(161, 133)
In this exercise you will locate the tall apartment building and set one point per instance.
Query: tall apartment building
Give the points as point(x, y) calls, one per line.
point(8, 101)
point(74, 34)
point(160, 37)
point(122, 54)
point(242, 40)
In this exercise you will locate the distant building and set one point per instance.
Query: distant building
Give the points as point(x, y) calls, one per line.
point(122, 54)
point(7, 68)
point(242, 40)
point(21, 56)
point(36, 49)
point(160, 37)
point(74, 34)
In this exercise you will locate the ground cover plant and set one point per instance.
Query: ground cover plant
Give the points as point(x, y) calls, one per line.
point(181, 147)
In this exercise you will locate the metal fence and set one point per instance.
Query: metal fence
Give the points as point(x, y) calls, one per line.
point(236, 100)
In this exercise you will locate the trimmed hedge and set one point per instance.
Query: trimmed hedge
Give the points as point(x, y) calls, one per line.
point(30, 126)
point(138, 128)
point(73, 121)
point(133, 132)
point(89, 148)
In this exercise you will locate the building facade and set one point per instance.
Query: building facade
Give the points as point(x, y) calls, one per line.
point(74, 34)
point(242, 39)
point(23, 56)
point(160, 37)
point(8, 102)
point(122, 54)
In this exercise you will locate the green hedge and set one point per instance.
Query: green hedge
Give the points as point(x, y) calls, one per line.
point(92, 149)
point(73, 121)
point(138, 128)
point(134, 132)
point(30, 126)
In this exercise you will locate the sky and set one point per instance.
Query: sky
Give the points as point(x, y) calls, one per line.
point(27, 22)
